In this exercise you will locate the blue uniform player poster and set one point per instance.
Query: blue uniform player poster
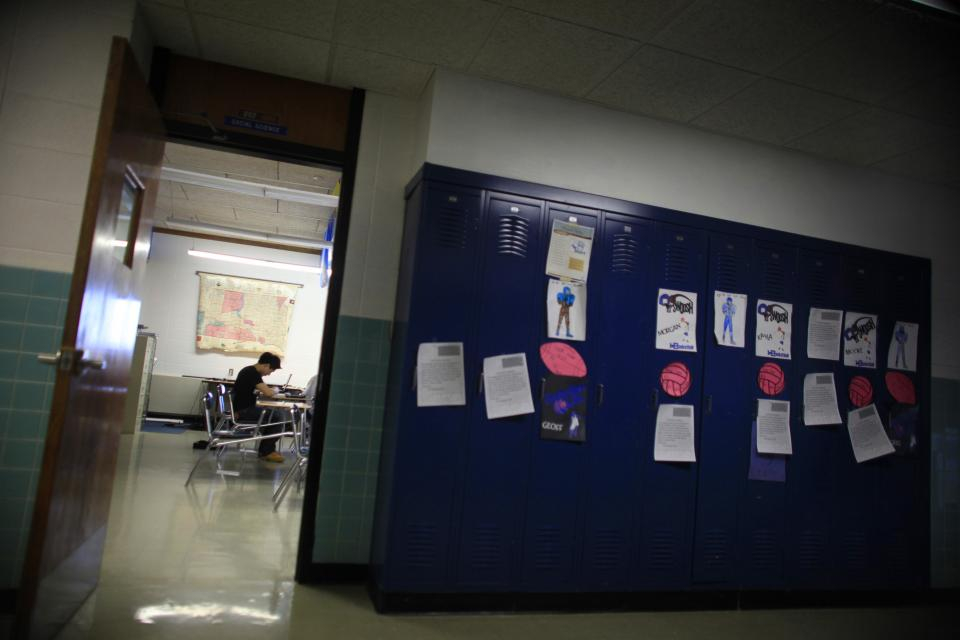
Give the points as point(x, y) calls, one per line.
point(563, 414)
point(566, 310)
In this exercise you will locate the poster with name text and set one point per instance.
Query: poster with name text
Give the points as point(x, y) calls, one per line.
point(676, 320)
point(774, 329)
point(860, 340)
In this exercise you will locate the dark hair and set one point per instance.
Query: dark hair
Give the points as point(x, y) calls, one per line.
point(270, 359)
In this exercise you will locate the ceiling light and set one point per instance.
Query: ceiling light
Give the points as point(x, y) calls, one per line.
point(223, 257)
point(248, 188)
point(243, 234)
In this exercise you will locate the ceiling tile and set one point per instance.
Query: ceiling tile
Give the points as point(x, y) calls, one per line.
point(874, 58)
point(542, 52)
point(776, 112)
point(262, 50)
point(298, 226)
point(215, 162)
point(378, 72)
point(314, 177)
point(669, 85)
point(170, 28)
point(228, 198)
point(871, 136)
point(256, 219)
point(756, 35)
point(937, 100)
point(310, 18)
point(308, 211)
point(939, 162)
point(637, 19)
point(192, 209)
point(445, 32)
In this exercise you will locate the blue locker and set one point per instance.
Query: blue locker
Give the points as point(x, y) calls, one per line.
point(611, 477)
point(496, 453)
point(427, 441)
point(551, 540)
point(857, 514)
point(666, 496)
point(761, 516)
point(812, 482)
point(727, 415)
point(902, 543)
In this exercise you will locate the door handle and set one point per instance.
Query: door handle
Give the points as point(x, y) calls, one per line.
point(71, 360)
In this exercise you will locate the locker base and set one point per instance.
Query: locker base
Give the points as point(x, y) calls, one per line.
point(385, 602)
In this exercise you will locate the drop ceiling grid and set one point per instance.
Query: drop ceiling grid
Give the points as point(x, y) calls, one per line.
point(774, 71)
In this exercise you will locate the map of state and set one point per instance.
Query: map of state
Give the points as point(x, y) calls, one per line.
point(244, 315)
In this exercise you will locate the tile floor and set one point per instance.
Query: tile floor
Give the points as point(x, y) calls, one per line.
point(213, 561)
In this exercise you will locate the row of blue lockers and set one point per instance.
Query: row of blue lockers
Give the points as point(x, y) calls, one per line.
point(471, 505)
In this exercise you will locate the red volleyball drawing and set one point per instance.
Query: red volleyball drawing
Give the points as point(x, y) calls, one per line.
point(562, 359)
point(771, 379)
point(675, 379)
point(860, 391)
point(901, 387)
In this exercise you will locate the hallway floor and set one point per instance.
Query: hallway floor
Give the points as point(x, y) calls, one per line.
point(213, 561)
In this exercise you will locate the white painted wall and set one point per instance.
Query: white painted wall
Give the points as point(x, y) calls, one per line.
point(53, 63)
point(171, 292)
point(390, 153)
point(507, 131)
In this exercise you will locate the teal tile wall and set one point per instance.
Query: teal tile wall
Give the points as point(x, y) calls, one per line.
point(32, 308)
point(945, 484)
point(351, 452)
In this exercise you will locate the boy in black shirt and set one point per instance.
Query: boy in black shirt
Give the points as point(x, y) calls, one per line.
point(249, 380)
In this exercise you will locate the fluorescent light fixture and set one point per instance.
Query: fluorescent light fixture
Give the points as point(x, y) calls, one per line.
point(118, 243)
point(246, 187)
point(243, 234)
point(223, 257)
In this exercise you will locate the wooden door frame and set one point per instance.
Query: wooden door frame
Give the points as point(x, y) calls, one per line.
point(307, 571)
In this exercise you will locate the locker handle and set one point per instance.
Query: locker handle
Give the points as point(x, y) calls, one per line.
point(543, 388)
point(708, 409)
point(480, 384)
point(655, 399)
point(413, 381)
point(600, 395)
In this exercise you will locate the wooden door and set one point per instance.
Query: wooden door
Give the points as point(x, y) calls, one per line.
point(62, 565)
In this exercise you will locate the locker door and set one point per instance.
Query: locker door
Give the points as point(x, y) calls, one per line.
point(902, 478)
point(856, 518)
point(727, 414)
point(551, 540)
point(497, 452)
point(611, 476)
point(422, 462)
point(761, 529)
point(667, 499)
point(812, 483)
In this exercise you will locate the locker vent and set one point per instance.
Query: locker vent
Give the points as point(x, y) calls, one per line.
point(726, 270)
point(608, 549)
point(817, 286)
point(715, 549)
point(813, 546)
point(899, 559)
point(763, 550)
point(512, 233)
point(676, 265)
point(546, 553)
point(663, 550)
point(452, 229)
point(625, 256)
point(487, 547)
point(774, 279)
point(903, 297)
point(421, 552)
point(855, 550)
point(859, 290)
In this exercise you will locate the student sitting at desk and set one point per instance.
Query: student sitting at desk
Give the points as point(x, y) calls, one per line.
point(249, 380)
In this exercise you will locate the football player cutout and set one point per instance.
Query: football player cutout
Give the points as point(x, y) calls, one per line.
point(565, 299)
point(901, 337)
point(729, 309)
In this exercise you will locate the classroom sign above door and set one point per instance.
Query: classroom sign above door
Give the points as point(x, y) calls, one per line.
point(243, 315)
